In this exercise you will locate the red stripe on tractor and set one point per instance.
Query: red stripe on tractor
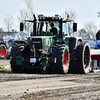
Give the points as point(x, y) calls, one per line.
point(65, 59)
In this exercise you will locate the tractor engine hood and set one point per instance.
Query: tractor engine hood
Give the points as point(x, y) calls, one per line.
point(42, 43)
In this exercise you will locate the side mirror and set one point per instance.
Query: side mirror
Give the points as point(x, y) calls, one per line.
point(21, 26)
point(74, 27)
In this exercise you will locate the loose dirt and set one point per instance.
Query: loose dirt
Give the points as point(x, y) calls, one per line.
point(49, 86)
point(4, 62)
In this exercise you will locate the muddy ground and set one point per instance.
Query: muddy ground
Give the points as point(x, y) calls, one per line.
point(49, 86)
point(4, 62)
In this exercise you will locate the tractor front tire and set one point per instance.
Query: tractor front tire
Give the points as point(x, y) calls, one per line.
point(17, 50)
point(83, 58)
point(59, 61)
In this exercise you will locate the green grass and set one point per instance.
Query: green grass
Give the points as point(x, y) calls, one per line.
point(6, 69)
point(9, 69)
point(4, 65)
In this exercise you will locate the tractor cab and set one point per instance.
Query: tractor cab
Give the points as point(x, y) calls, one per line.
point(48, 26)
point(42, 26)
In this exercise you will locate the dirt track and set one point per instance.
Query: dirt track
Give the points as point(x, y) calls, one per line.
point(4, 62)
point(49, 86)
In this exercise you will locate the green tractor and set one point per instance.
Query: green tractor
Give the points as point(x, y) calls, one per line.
point(45, 51)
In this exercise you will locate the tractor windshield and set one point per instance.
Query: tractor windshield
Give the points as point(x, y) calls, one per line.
point(65, 29)
point(44, 28)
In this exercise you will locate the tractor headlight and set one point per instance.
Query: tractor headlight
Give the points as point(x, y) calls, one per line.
point(40, 49)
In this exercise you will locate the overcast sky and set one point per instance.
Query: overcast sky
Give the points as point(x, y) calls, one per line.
point(86, 9)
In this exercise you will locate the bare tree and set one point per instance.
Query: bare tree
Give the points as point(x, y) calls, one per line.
point(73, 16)
point(8, 21)
point(83, 33)
point(26, 15)
point(91, 29)
point(1, 30)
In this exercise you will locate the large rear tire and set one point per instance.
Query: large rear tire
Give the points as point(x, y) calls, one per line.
point(17, 50)
point(59, 61)
point(3, 51)
point(72, 65)
point(83, 58)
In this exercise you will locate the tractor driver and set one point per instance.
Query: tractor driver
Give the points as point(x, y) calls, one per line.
point(53, 29)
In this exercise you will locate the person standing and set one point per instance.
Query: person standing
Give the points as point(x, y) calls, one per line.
point(98, 35)
point(98, 45)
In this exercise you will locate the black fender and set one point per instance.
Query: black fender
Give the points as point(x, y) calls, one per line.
point(74, 42)
point(1, 42)
point(20, 41)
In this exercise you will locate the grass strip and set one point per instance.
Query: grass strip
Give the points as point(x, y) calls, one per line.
point(5, 69)
point(9, 69)
point(4, 65)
